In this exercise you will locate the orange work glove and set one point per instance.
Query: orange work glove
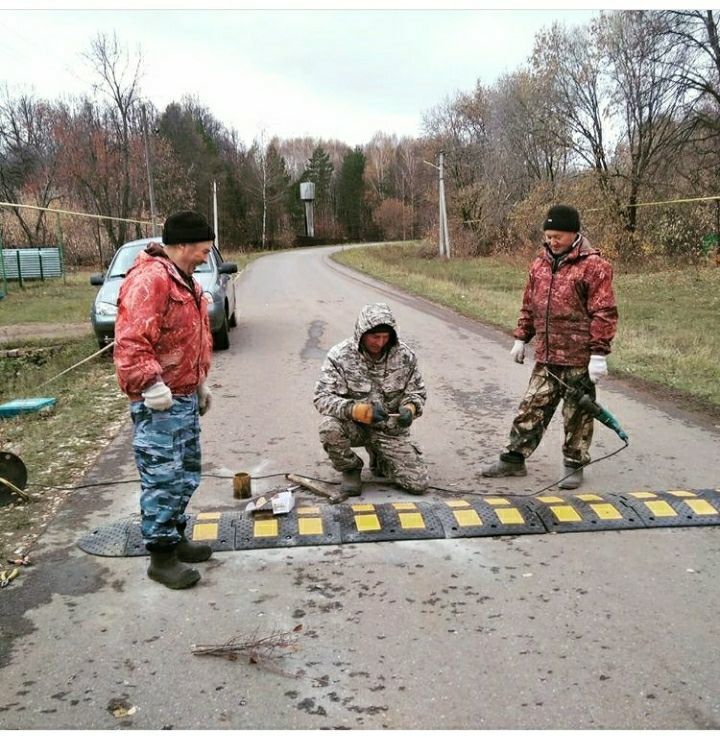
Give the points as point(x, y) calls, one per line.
point(368, 413)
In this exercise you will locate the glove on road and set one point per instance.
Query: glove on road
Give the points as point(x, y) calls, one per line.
point(158, 396)
point(406, 416)
point(204, 398)
point(368, 413)
point(518, 352)
point(597, 368)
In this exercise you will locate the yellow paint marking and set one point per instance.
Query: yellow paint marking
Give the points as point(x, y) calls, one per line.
point(308, 511)
point(661, 509)
point(367, 522)
point(589, 497)
point(701, 507)
point(643, 495)
point(265, 528)
point(457, 503)
point(681, 493)
point(565, 513)
point(404, 505)
point(606, 511)
point(310, 526)
point(208, 516)
point(466, 518)
point(411, 520)
point(550, 498)
point(363, 508)
point(496, 501)
point(205, 532)
point(509, 516)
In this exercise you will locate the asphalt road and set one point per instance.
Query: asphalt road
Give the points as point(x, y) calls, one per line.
point(609, 629)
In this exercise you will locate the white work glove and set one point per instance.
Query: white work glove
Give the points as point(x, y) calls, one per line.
point(597, 368)
point(158, 397)
point(204, 398)
point(518, 352)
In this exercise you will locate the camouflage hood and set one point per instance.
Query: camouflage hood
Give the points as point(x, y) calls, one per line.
point(374, 315)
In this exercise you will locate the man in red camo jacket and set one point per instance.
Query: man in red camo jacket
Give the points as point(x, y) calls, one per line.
point(569, 308)
point(162, 356)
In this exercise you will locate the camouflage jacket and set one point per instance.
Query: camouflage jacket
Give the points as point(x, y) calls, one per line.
point(350, 375)
point(162, 329)
point(569, 307)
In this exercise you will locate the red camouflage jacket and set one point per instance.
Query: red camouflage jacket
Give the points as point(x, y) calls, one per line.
point(162, 329)
point(571, 311)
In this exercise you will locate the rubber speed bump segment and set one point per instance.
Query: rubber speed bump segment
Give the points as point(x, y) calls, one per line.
point(487, 516)
point(305, 526)
point(675, 507)
point(388, 521)
point(585, 511)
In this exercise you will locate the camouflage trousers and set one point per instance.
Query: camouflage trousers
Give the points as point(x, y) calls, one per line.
point(167, 455)
point(538, 406)
point(396, 455)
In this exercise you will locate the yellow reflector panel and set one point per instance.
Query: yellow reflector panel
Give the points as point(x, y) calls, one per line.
point(496, 501)
point(467, 517)
point(509, 516)
point(363, 508)
point(308, 511)
point(265, 528)
point(681, 493)
point(661, 509)
point(457, 503)
point(606, 511)
point(367, 522)
point(205, 532)
point(310, 526)
point(565, 514)
point(208, 516)
point(550, 498)
point(404, 505)
point(589, 498)
point(411, 520)
point(701, 507)
point(643, 495)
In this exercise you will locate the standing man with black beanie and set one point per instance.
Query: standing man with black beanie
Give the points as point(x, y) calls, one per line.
point(162, 356)
point(569, 307)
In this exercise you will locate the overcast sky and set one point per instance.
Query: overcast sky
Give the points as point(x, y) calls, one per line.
point(341, 74)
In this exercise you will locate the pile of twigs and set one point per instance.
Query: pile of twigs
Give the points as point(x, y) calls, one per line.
point(264, 651)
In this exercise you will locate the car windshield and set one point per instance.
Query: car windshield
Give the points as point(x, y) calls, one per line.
point(125, 257)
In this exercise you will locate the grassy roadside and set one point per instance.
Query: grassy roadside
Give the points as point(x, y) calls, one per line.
point(668, 330)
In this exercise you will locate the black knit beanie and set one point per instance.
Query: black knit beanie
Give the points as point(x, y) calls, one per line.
point(562, 218)
point(186, 226)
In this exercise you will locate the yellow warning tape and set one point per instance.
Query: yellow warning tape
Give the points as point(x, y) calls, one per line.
point(663, 202)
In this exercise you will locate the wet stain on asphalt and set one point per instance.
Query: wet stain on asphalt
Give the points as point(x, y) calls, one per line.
point(312, 351)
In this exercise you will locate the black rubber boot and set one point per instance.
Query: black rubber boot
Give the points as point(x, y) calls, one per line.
point(189, 551)
point(351, 484)
point(505, 467)
point(165, 567)
point(574, 480)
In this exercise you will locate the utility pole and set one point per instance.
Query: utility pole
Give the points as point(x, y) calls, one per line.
point(215, 215)
point(149, 169)
point(443, 233)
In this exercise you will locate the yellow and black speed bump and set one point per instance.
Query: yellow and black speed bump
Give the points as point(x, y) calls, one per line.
point(585, 511)
point(463, 517)
point(362, 522)
point(307, 525)
point(675, 507)
point(487, 516)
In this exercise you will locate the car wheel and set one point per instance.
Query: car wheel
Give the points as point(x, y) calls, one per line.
point(233, 320)
point(221, 339)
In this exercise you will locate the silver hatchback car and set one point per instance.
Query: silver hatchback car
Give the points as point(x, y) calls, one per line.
point(213, 276)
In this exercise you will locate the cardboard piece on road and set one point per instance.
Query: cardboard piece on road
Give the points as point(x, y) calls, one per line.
point(279, 503)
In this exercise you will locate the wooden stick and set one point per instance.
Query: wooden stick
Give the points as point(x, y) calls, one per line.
point(316, 487)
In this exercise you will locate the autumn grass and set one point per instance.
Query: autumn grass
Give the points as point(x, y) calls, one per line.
point(668, 331)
